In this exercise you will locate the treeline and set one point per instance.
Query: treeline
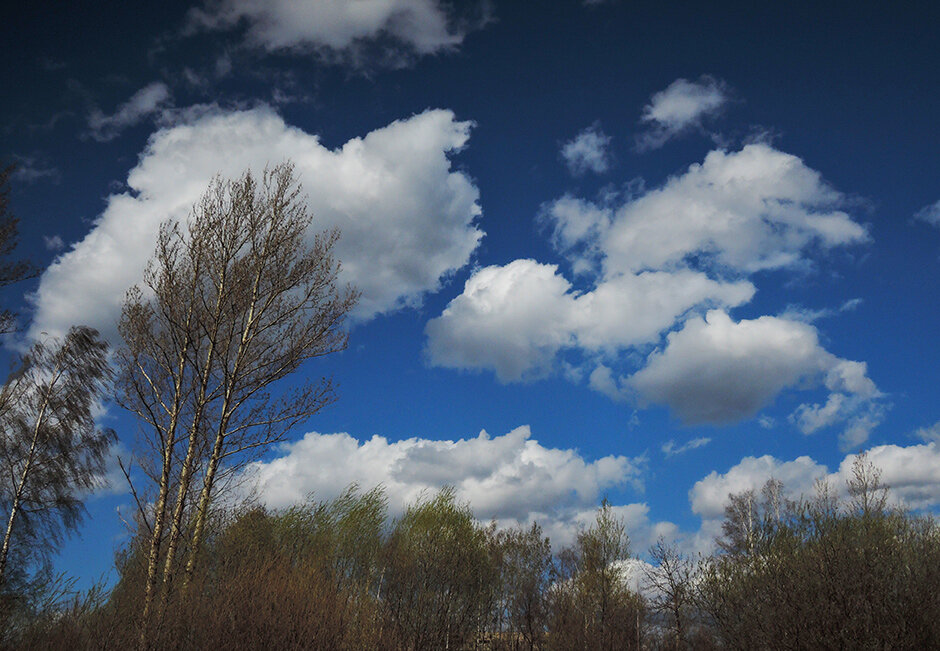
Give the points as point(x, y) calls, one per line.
point(822, 573)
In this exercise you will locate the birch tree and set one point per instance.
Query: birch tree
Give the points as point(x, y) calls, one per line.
point(51, 448)
point(232, 304)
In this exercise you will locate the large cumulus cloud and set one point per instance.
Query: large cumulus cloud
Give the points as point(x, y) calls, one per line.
point(407, 219)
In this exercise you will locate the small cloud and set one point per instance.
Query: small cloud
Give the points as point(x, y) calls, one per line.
point(587, 152)
point(147, 101)
point(53, 243)
point(930, 434)
point(929, 214)
point(670, 449)
point(679, 108)
point(766, 422)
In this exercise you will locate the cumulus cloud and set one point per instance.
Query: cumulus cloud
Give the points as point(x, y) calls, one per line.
point(512, 478)
point(407, 219)
point(587, 152)
point(338, 28)
point(514, 319)
point(911, 472)
point(716, 370)
point(742, 211)
point(659, 259)
point(146, 102)
point(749, 210)
point(679, 108)
point(929, 214)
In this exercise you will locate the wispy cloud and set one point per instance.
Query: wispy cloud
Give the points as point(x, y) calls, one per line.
point(929, 433)
point(670, 449)
point(147, 101)
point(929, 214)
point(30, 170)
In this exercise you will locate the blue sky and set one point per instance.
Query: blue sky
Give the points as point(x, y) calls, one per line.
point(658, 254)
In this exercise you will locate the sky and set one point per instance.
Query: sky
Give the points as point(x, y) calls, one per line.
point(654, 253)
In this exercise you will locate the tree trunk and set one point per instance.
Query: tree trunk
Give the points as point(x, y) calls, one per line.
point(18, 496)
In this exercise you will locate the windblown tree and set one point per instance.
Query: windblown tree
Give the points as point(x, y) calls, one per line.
point(233, 303)
point(51, 448)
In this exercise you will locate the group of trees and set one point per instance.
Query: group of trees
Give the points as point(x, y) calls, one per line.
point(339, 574)
point(235, 301)
point(823, 572)
point(232, 302)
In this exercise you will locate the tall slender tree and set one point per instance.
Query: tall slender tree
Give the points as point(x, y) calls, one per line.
point(234, 303)
point(51, 447)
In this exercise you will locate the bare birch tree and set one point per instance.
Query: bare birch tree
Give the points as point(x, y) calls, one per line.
point(234, 303)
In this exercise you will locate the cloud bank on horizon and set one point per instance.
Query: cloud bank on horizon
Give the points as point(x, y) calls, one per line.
point(512, 478)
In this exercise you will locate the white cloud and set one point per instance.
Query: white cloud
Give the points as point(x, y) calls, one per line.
point(602, 380)
point(716, 370)
point(407, 219)
point(709, 495)
point(670, 449)
point(929, 214)
point(514, 319)
point(753, 209)
point(587, 152)
point(744, 211)
point(911, 473)
point(148, 101)
point(510, 478)
point(810, 418)
point(660, 259)
point(930, 433)
point(679, 108)
point(338, 28)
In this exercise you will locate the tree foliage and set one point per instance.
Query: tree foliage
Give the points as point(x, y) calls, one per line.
point(52, 450)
